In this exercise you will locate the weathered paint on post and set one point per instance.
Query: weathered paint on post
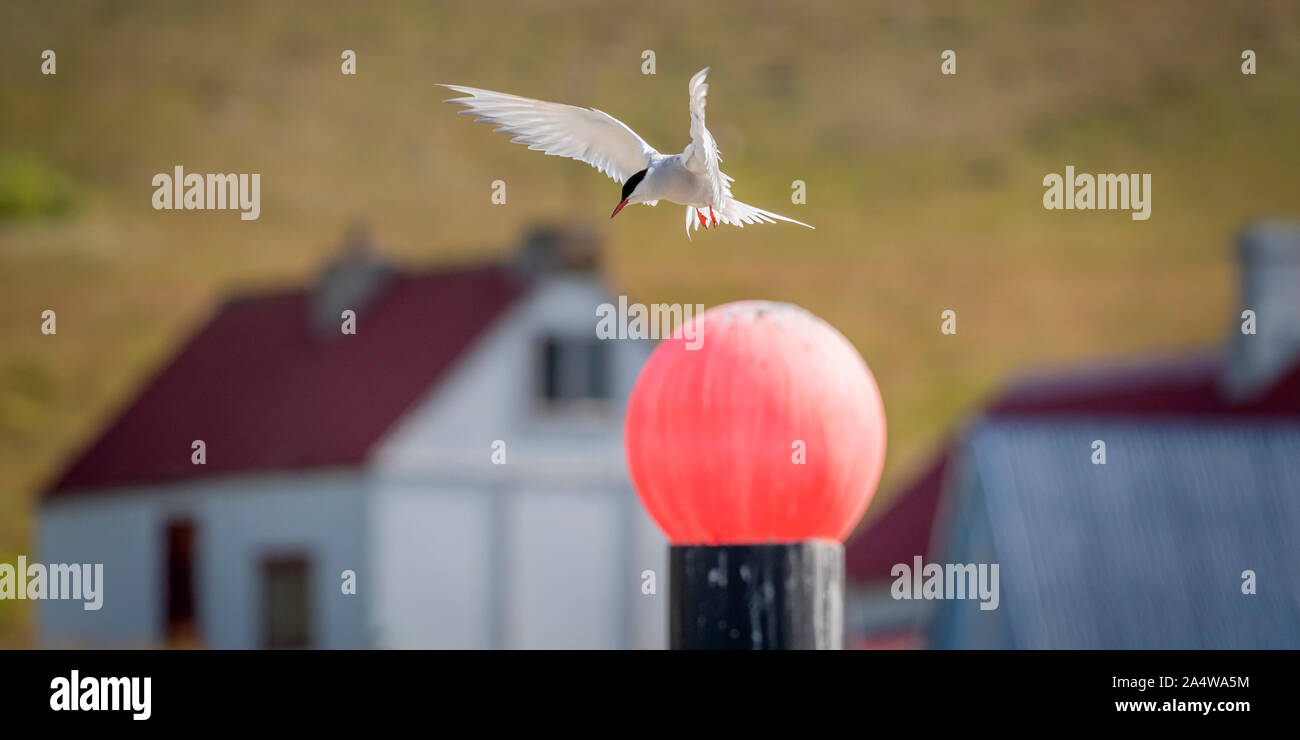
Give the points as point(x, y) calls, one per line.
point(757, 597)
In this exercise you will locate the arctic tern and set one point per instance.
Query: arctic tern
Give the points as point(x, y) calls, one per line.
point(692, 178)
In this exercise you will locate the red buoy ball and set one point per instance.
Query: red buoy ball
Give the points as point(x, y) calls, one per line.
point(757, 422)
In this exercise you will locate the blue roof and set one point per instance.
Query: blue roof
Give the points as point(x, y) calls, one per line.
point(1145, 551)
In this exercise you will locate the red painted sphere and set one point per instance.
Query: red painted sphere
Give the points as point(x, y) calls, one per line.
point(771, 430)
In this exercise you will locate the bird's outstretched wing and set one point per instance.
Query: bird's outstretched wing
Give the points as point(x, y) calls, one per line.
point(735, 213)
point(702, 155)
point(584, 134)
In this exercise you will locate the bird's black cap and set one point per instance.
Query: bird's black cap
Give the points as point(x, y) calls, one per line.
point(631, 184)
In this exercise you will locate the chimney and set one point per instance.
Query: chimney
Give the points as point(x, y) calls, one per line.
point(1269, 255)
point(550, 249)
point(350, 282)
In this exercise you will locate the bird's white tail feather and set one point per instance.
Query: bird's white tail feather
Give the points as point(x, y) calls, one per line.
point(761, 214)
point(736, 213)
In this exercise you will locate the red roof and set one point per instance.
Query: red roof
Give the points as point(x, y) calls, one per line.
point(1182, 387)
point(1178, 387)
point(901, 531)
point(265, 392)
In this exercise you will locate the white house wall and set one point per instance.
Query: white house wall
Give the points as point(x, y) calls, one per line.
point(489, 396)
point(563, 524)
point(123, 534)
point(238, 522)
point(569, 577)
point(320, 516)
point(435, 575)
point(496, 566)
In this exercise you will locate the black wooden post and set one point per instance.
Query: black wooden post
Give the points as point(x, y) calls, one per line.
point(757, 597)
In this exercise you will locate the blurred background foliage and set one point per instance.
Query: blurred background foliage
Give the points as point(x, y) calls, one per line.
point(925, 189)
point(30, 189)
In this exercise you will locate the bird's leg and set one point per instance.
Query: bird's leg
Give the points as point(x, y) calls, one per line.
point(700, 213)
point(712, 215)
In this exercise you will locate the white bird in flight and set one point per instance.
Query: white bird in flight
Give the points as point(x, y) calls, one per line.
point(691, 178)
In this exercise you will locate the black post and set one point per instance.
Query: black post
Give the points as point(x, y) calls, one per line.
point(757, 597)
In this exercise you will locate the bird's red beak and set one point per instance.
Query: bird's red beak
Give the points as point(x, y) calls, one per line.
point(618, 208)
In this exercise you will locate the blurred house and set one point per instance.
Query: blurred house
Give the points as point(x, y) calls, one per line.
point(461, 454)
point(1201, 483)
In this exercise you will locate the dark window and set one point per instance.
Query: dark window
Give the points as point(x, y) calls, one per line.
point(551, 370)
point(286, 608)
point(179, 569)
point(574, 370)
